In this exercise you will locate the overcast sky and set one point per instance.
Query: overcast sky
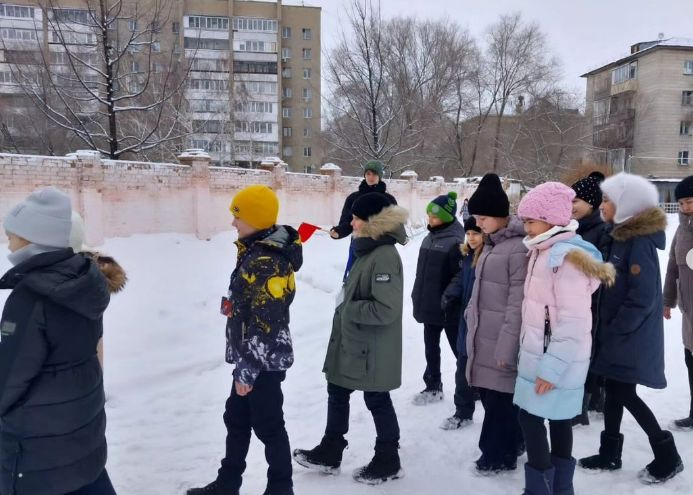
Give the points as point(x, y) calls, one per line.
point(582, 33)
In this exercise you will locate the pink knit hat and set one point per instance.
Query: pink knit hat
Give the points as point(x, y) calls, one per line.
point(551, 203)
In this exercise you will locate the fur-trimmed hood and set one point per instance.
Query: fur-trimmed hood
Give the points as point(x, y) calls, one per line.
point(604, 272)
point(390, 221)
point(466, 250)
point(114, 273)
point(646, 224)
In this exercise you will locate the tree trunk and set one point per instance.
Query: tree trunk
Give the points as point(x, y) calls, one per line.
point(494, 168)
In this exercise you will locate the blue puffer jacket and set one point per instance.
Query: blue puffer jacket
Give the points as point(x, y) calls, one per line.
point(462, 291)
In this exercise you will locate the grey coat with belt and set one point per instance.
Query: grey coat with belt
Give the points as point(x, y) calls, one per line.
point(678, 285)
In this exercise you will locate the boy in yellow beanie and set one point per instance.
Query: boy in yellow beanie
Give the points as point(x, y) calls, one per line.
point(258, 341)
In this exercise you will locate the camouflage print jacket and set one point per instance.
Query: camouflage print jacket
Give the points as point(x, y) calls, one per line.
point(262, 289)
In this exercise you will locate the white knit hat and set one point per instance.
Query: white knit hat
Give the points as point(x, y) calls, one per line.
point(77, 233)
point(44, 218)
point(631, 194)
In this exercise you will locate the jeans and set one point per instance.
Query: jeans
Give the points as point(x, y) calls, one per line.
point(432, 334)
point(620, 395)
point(464, 394)
point(378, 403)
point(500, 433)
point(102, 486)
point(261, 412)
point(538, 453)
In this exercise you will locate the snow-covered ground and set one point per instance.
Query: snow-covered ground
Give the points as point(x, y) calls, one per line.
point(167, 383)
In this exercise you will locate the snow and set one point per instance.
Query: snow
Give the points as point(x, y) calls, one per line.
point(330, 166)
point(167, 382)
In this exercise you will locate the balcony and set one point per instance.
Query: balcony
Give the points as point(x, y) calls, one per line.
point(622, 116)
point(624, 87)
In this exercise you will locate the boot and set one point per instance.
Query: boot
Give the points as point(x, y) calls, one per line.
point(326, 457)
point(211, 489)
point(384, 466)
point(429, 395)
point(563, 480)
point(609, 457)
point(583, 419)
point(538, 482)
point(667, 462)
point(457, 421)
point(288, 491)
point(685, 424)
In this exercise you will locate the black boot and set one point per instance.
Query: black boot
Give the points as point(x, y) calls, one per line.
point(211, 489)
point(685, 424)
point(288, 491)
point(609, 457)
point(384, 466)
point(326, 457)
point(667, 462)
point(583, 419)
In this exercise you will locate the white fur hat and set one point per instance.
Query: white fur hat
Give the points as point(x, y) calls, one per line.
point(631, 194)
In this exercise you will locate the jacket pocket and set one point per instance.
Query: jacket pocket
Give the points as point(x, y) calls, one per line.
point(354, 359)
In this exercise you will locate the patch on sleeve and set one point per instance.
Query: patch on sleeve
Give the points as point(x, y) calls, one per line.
point(635, 269)
point(8, 328)
point(383, 278)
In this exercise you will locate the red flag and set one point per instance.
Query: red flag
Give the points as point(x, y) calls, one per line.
point(306, 231)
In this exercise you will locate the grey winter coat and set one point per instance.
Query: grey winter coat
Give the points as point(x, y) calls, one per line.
point(494, 314)
point(678, 285)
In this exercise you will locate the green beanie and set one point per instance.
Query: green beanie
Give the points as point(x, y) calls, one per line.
point(374, 166)
point(444, 207)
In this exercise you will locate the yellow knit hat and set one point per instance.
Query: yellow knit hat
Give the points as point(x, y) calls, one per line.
point(257, 206)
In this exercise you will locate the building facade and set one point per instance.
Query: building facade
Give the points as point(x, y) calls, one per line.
point(251, 68)
point(641, 109)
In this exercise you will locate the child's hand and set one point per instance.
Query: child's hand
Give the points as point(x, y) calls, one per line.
point(243, 390)
point(667, 313)
point(543, 387)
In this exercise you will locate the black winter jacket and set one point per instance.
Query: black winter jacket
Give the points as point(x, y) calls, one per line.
point(52, 418)
point(344, 228)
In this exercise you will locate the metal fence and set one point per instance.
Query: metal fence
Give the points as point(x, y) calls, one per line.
point(669, 207)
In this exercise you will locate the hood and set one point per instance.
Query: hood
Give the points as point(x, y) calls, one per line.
point(650, 223)
point(515, 228)
point(452, 229)
point(380, 187)
point(71, 280)
point(591, 221)
point(593, 268)
point(389, 222)
point(114, 273)
point(286, 241)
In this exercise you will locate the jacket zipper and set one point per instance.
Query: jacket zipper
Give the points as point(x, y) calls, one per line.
point(18, 451)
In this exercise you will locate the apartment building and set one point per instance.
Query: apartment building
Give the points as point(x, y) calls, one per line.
point(641, 109)
point(252, 69)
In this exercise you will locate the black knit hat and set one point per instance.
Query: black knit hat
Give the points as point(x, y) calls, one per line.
point(684, 189)
point(489, 199)
point(589, 190)
point(369, 204)
point(470, 224)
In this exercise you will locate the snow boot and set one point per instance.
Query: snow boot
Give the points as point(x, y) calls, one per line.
point(484, 467)
point(211, 489)
point(563, 480)
point(667, 462)
point(385, 465)
point(429, 396)
point(288, 491)
point(326, 457)
point(685, 424)
point(538, 482)
point(457, 421)
point(583, 419)
point(609, 457)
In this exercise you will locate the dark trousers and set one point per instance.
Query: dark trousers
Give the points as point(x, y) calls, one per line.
point(378, 403)
point(500, 433)
point(261, 412)
point(593, 383)
point(620, 396)
point(432, 334)
point(689, 365)
point(538, 452)
point(464, 394)
point(102, 486)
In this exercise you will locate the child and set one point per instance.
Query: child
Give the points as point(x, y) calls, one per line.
point(588, 198)
point(436, 272)
point(52, 398)
point(461, 293)
point(630, 337)
point(258, 341)
point(494, 318)
point(365, 348)
point(678, 285)
point(556, 338)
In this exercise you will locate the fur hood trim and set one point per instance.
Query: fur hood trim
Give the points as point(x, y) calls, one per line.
point(604, 272)
point(466, 251)
point(114, 273)
point(390, 220)
point(647, 223)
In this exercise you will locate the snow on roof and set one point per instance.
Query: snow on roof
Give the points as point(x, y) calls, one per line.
point(330, 166)
point(669, 42)
point(79, 153)
point(409, 173)
point(194, 153)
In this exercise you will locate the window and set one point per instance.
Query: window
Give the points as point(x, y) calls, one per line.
point(286, 33)
point(158, 68)
point(307, 34)
point(255, 24)
point(211, 126)
point(287, 131)
point(209, 105)
point(6, 77)
point(209, 146)
point(688, 67)
point(286, 91)
point(683, 158)
point(254, 46)
point(19, 34)
point(288, 151)
point(175, 27)
point(687, 98)
point(685, 129)
point(91, 81)
point(287, 113)
point(68, 37)
point(135, 87)
point(176, 48)
point(255, 106)
point(624, 73)
point(260, 148)
point(307, 73)
point(307, 94)
point(16, 11)
point(254, 67)
point(307, 113)
point(254, 127)
point(132, 48)
point(307, 152)
point(112, 25)
point(286, 53)
point(206, 44)
point(308, 169)
point(286, 73)
point(59, 58)
point(307, 133)
point(156, 47)
point(207, 64)
point(256, 87)
point(307, 52)
point(133, 26)
point(76, 16)
point(135, 67)
point(208, 84)
point(200, 22)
